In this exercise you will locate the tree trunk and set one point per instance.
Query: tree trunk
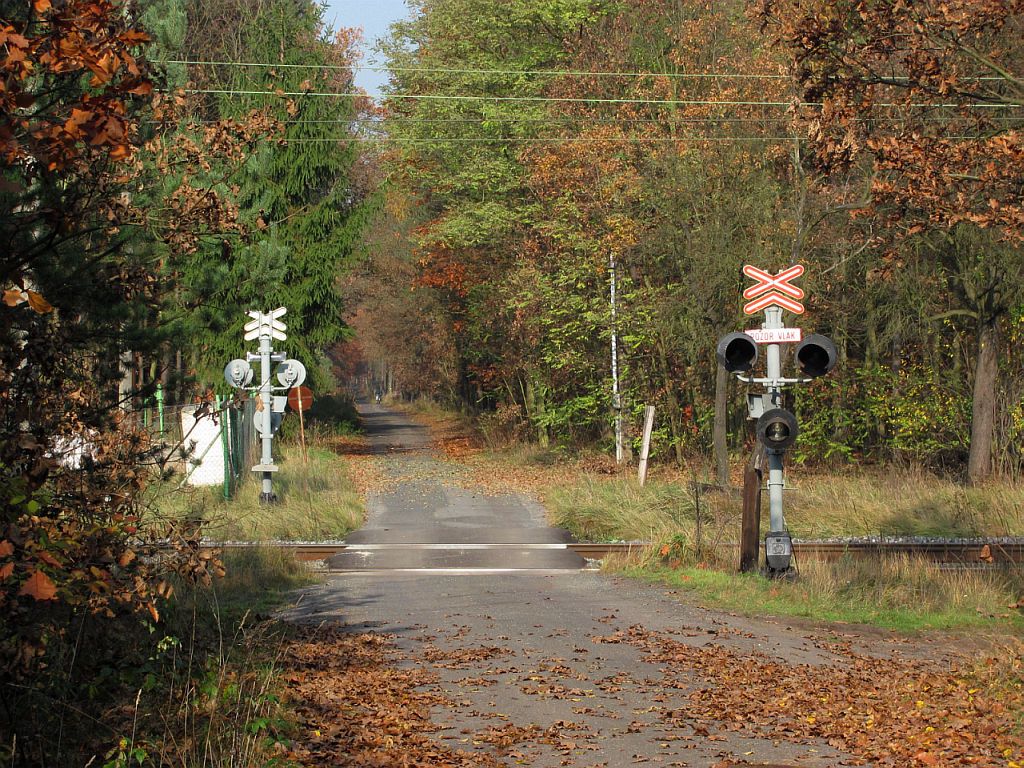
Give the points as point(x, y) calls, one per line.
point(983, 411)
point(673, 410)
point(534, 402)
point(719, 435)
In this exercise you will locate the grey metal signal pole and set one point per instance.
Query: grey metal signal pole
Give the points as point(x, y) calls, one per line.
point(773, 361)
point(266, 397)
point(776, 427)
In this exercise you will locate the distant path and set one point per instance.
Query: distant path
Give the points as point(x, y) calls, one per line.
point(546, 664)
point(424, 521)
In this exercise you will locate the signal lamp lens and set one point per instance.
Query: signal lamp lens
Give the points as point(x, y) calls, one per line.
point(777, 429)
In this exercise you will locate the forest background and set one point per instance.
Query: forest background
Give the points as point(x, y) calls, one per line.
point(170, 164)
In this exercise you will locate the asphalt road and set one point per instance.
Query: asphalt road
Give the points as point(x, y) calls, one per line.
point(478, 588)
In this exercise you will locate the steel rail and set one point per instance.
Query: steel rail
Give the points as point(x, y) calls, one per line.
point(980, 551)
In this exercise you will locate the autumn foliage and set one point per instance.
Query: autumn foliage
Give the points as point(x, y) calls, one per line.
point(930, 92)
point(74, 548)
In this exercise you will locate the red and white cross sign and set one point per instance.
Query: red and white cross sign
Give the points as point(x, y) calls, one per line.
point(776, 289)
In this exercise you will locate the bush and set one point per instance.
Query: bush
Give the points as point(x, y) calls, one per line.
point(329, 415)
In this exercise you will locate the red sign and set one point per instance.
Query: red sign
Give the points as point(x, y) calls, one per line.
point(300, 398)
point(777, 290)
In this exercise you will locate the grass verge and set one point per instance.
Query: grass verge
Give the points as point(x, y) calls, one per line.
point(198, 687)
point(692, 530)
point(210, 696)
point(317, 500)
point(900, 594)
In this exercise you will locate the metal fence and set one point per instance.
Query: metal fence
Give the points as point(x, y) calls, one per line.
point(238, 437)
point(211, 446)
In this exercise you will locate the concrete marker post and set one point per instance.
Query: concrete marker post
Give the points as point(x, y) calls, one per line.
point(645, 446)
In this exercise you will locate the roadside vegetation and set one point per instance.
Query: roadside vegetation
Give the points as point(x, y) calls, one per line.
point(817, 504)
point(198, 688)
point(318, 500)
point(897, 593)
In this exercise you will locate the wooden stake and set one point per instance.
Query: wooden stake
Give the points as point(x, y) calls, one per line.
point(750, 536)
point(302, 428)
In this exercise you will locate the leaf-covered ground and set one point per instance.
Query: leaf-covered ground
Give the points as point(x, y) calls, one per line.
point(363, 701)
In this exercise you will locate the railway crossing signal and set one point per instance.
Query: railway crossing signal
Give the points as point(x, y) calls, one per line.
point(266, 327)
point(266, 323)
point(781, 292)
point(776, 427)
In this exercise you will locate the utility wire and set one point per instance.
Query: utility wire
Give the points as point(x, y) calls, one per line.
point(550, 140)
point(566, 99)
point(384, 122)
point(518, 72)
point(460, 71)
point(464, 97)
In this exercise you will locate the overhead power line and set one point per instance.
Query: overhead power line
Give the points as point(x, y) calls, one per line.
point(552, 140)
point(470, 71)
point(576, 100)
point(534, 140)
point(571, 121)
point(516, 72)
point(467, 97)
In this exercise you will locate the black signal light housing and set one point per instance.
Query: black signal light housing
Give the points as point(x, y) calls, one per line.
point(736, 352)
point(816, 355)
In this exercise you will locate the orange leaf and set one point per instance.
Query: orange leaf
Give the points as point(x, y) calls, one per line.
point(153, 611)
point(38, 303)
point(126, 557)
point(49, 559)
point(13, 297)
point(6, 548)
point(42, 6)
point(6, 570)
point(39, 586)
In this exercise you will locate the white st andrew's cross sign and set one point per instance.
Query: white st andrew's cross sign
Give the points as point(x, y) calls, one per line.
point(777, 290)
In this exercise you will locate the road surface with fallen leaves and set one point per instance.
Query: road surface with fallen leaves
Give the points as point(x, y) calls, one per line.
point(460, 634)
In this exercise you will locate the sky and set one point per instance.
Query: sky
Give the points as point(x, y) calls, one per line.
point(374, 17)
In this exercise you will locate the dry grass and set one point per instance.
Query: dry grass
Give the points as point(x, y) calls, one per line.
point(616, 509)
point(317, 500)
point(902, 504)
point(817, 506)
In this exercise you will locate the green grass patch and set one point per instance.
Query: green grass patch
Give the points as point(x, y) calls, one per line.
point(211, 692)
point(902, 595)
point(317, 500)
point(256, 580)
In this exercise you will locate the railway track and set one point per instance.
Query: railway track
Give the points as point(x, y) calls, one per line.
point(978, 552)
